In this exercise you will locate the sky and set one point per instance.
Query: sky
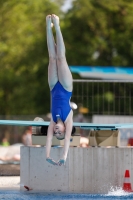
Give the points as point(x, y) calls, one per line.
point(67, 5)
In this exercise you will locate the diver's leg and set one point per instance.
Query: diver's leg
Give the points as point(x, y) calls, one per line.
point(52, 68)
point(64, 74)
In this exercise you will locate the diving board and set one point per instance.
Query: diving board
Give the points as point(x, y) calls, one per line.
point(108, 72)
point(76, 124)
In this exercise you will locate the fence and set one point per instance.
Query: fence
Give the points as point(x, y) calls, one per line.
point(104, 97)
point(105, 100)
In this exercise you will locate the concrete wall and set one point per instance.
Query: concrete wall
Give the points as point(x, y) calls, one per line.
point(87, 170)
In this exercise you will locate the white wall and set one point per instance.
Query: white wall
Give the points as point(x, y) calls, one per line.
point(87, 170)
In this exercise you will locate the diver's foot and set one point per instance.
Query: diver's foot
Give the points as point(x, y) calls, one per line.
point(55, 20)
point(49, 21)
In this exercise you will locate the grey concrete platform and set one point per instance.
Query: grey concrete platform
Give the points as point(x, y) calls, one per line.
point(88, 170)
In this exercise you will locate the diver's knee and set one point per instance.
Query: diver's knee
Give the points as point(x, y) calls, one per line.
point(52, 59)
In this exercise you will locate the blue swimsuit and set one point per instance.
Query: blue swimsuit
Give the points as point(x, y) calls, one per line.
point(60, 102)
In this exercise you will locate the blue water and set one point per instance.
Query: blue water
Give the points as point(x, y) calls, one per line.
point(18, 195)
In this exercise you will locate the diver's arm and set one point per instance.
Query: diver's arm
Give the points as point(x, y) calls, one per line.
point(49, 143)
point(68, 126)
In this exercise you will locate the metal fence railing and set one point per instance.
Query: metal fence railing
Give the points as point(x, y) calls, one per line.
point(99, 101)
point(105, 97)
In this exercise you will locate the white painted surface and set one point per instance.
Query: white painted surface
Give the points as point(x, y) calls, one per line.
point(25, 166)
point(9, 182)
point(87, 170)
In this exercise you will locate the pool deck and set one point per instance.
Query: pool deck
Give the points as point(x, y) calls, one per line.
point(9, 182)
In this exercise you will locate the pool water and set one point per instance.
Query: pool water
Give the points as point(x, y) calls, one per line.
point(28, 195)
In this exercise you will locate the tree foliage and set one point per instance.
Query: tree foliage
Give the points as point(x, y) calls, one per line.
point(100, 33)
point(95, 33)
point(23, 56)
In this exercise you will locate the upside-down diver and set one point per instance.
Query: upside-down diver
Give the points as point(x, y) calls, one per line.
point(61, 85)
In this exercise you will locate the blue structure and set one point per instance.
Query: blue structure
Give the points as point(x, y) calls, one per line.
point(107, 72)
point(76, 124)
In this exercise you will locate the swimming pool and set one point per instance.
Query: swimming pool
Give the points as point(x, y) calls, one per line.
point(18, 195)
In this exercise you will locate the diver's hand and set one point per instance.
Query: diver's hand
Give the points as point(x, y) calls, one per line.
point(51, 161)
point(61, 162)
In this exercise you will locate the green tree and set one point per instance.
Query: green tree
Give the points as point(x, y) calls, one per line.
point(23, 56)
point(95, 33)
point(99, 33)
